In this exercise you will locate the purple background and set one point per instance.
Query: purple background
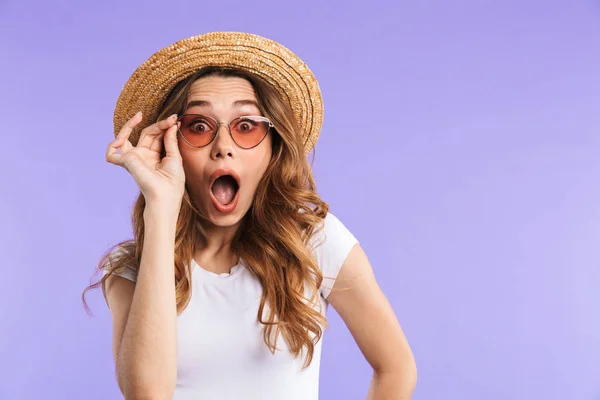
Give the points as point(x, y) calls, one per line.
point(460, 145)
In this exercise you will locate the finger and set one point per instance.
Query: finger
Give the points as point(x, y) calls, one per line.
point(126, 147)
point(112, 154)
point(149, 133)
point(123, 147)
point(157, 143)
point(171, 145)
point(129, 125)
point(121, 142)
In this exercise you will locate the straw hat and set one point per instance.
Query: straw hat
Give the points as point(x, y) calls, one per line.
point(150, 83)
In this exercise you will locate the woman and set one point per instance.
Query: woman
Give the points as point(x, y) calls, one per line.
point(223, 292)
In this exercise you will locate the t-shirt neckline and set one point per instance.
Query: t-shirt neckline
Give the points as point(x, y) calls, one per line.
point(212, 277)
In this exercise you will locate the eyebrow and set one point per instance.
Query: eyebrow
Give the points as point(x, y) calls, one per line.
point(237, 103)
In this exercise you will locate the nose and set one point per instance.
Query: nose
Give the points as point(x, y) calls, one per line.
point(223, 145)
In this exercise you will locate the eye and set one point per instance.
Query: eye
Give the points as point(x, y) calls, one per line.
point(200, 125)
point(245, 125)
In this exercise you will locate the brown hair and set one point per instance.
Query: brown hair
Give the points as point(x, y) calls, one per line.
point(274, 235)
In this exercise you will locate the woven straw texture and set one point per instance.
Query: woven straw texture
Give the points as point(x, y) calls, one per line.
point(150, 83)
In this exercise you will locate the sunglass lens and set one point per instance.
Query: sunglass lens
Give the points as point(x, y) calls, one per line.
point(249, 131)
point(198, 130)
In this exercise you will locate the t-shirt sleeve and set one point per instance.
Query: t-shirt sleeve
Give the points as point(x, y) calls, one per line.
point(332, 245)
point(126, 272)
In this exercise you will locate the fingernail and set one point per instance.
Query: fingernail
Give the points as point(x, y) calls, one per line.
point(174, 116)
point(137, 114)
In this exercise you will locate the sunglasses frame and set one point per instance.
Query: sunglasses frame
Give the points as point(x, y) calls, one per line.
point(217, 124)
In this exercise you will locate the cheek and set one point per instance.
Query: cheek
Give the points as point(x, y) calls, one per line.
point(257, 163)
point(193, 167)
point(263, 157)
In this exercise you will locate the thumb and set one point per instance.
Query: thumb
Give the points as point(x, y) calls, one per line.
point(170, 140)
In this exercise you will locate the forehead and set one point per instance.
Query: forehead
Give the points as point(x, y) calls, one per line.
point(218, 88)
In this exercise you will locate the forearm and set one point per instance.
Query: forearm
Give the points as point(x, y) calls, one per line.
point(391, 386)
point(147, 357)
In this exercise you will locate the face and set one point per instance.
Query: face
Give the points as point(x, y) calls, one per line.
point(223, 98)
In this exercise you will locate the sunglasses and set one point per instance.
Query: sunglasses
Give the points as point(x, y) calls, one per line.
point(200, 130)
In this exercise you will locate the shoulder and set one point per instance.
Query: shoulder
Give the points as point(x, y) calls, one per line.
point(121, 261)
point(331, 243)
point(331, 234)
point(121, 258)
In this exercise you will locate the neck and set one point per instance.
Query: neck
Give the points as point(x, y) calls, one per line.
point(213, 251)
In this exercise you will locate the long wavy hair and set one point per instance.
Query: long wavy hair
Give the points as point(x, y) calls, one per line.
point(273, 239)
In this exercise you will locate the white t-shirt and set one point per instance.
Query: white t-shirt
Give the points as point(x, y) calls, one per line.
point(221, 351)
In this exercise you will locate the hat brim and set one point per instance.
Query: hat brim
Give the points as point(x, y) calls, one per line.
point(152, 81)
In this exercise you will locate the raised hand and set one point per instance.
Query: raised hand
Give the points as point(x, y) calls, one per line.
point(160, 181)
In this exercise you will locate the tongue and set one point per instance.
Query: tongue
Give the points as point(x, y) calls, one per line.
point(224, 189)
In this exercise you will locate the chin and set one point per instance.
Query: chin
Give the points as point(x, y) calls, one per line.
point(220, 219)
point(227, 220)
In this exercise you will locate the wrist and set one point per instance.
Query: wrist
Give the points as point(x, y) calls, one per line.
point(161, 213)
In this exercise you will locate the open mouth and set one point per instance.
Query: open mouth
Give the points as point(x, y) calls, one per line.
point(225, 190)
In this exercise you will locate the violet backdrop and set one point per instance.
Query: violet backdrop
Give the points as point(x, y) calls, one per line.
point(460, 146)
